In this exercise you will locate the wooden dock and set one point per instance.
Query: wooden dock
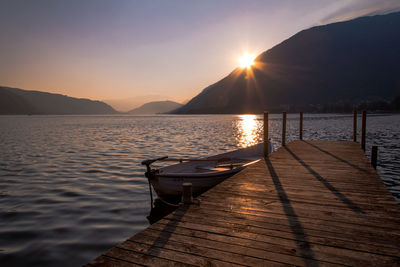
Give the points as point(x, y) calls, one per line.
point(311, 203)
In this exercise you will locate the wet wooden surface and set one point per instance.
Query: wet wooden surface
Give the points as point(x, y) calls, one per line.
point(311, 203)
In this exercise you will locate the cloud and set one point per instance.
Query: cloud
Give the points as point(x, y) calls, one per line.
point(359, 8)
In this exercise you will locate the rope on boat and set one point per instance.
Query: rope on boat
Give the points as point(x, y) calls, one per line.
point(170, 204)
point(151, 195)
point(151, 173)
point(180, 204)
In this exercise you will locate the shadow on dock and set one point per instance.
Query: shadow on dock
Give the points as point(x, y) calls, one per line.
point(336, 157)
point(331, 188)
point(158, 245)
point(295, 225)
point(159, 211)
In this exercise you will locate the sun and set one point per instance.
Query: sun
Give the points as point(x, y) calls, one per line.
point(246, 60)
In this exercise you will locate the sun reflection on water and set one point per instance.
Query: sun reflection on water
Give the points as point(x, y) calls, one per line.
point(247, 130)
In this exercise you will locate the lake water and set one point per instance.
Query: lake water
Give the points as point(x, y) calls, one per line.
point(72, 186)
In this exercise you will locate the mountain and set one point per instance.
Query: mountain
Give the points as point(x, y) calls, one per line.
point(18, 101)
point(126, 103)
point(155, 107)
point(342, 62)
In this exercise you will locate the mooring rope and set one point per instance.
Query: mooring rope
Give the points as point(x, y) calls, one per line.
point(170, 204)
point(151, 194)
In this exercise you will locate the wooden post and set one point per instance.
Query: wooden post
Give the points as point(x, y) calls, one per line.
point(354, 125)
point(284, 129)
point(374, 156)
point(363, 129)
point(187, 193)
point(265, 134)
point(301, 126)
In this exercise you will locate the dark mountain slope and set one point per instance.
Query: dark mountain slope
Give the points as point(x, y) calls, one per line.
point(11, 103)
point(18, 101)
point(155, 107)
point(345, 61)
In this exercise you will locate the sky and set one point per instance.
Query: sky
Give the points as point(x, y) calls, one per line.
point(128, 52)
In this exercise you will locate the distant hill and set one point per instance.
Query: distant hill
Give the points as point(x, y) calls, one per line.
point(342, 62)
point(18, 101)
point(156, 107)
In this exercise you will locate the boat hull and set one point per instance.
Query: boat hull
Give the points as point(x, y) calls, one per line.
point(203, 175)
point(169, 187)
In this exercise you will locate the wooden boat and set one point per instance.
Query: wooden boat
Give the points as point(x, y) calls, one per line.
point(203, 173)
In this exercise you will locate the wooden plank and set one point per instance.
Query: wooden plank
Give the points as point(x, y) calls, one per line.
point(314, 198)
point(381, 239)
point(206, 249)
point(187, 255)
point(232, 252)
point(371, 216)
point(138, 256)
point(311, 203)
point(333, 255)
point(380, 252)
point(312, 223)
point(111, 262)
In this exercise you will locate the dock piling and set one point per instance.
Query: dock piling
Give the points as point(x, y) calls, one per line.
point(354, 125)
point(265, 133)
point(374, 156)
point(301, 126)
point(284, 129)
point(363, 129)
point(187, 197)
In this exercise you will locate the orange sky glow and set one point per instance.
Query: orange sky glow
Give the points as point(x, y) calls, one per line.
point(130, 52)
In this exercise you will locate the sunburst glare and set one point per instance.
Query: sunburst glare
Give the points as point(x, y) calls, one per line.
point(246, 60)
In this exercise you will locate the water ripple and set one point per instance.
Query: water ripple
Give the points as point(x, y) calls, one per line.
point(73, 186)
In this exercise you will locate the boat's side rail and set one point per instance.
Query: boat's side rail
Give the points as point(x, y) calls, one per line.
point(200, 174)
